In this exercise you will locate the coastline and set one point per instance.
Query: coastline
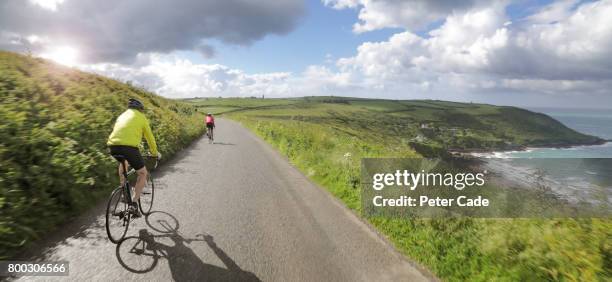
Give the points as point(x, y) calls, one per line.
point(577, 190)
point(546, 176)
point(522, 148)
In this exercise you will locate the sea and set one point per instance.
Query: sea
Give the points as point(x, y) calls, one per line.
point(597, 122)
point(579, 173)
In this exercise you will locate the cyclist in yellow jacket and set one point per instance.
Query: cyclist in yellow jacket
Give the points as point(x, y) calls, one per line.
point(127, 134)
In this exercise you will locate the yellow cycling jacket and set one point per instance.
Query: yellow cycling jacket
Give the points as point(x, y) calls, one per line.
point(128, 131)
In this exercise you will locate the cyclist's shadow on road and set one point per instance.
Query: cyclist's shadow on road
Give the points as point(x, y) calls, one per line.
point(140, 254)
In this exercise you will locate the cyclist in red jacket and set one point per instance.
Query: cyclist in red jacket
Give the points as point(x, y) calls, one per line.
point(210, 124)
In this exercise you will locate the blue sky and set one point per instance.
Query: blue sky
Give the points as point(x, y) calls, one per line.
point(320, 32)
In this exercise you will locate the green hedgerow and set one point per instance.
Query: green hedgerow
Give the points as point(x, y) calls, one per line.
point(53, 156)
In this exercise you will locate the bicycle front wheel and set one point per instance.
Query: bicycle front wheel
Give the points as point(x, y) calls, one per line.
point(145, 202)
point(117, 216)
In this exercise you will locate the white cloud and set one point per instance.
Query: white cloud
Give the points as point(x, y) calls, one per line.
point(386, 60)
point(466, 41)
point(553, 12)
point(478, 50)
point(585, 34)
point(118, 30)
point(341, 4)
point(412, 14)
point(323, 75)
point(174, 77)
point(47, 4)
point(553, 87)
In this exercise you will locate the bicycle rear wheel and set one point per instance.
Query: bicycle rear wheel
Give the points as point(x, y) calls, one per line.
point(117, 216)
point(145, 202)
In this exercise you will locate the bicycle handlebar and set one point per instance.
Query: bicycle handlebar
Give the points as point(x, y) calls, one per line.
point(149, 156)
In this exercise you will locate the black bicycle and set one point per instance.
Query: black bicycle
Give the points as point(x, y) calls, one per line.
point(118, 212)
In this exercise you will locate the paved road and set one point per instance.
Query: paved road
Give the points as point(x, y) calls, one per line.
point(231, 211)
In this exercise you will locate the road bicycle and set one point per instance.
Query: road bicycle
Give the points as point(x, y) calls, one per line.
point(118, 212)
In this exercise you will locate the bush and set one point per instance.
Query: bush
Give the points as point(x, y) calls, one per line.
point(53, 156)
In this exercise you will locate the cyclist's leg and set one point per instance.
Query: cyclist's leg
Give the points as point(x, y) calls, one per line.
point(119, 150)
point(133, 157)
point(120, 171)
point(140, 182)
point(209, 130)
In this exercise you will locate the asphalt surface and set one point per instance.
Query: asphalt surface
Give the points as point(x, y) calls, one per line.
point(231, 211)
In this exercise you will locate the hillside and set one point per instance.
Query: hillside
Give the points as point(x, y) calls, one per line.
point(53, 157)
point(425, 124)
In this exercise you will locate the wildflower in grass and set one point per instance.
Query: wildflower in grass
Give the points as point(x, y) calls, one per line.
point(311, 172)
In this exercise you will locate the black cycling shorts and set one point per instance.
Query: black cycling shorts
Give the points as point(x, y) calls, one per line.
point(210, 125)
point(131, 154)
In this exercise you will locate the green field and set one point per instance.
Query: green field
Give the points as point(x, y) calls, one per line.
point(325, 137)
point(53, 157)
point(427, 125)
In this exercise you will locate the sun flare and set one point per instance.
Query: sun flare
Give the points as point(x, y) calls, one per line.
point(48, 4)
point(64, 55)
